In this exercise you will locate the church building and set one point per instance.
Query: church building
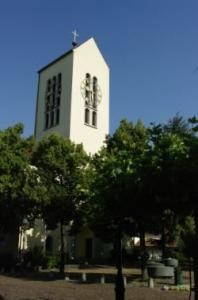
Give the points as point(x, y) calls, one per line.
point(73, 97)
point(73, 100)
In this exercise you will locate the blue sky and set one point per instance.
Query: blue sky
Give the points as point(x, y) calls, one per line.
point(151, 47)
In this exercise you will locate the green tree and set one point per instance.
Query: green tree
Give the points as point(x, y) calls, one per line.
point(61, 165)
point(175, 172)
point(117, 199)
point(189, 201)
point(17, 181)
point(169, 151)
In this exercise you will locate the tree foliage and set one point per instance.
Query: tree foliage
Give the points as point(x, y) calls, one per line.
point(118, 178)
point(16, 201)
point(61, 165)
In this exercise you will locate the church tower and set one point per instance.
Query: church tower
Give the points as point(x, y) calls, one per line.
point(73, 97)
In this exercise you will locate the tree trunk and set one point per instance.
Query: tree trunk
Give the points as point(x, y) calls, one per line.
point(62, 252)
point(119, 285)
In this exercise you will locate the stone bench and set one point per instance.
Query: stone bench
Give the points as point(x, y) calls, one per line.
point(83, 277)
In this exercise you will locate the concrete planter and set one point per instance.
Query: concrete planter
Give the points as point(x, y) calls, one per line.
point(154, 263)
point(156, 271)
point(171, 262)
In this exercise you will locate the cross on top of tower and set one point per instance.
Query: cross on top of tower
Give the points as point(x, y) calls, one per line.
point(75, 35)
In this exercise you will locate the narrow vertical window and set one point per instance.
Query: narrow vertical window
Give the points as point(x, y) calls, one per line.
point(95, 81)
point(59, 83)
point(49, 86)
point(57, 116)
point(54, 84)
point(46, 120)
point(59, 78)
point(58, 101)
point(48, 103)
point(87, 88)
point(94, 118)
point(52, 118)
point(87, 116)
point(54, 80)
point(53, 101)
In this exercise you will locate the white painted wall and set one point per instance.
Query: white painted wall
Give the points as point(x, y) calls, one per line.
point(83, 59)
point(88, 59)
point(63, 66)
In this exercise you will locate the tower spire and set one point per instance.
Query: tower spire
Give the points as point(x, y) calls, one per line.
point(75, 35)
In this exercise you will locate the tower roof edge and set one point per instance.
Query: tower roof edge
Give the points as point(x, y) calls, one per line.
point(69, 52)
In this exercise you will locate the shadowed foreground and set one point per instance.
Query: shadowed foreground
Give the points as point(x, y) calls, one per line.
point(32, 289)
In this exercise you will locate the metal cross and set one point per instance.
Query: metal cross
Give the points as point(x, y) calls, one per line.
point(75, 34)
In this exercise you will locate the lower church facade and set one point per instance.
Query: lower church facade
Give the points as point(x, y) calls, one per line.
point(72, 100)
point(84, 246)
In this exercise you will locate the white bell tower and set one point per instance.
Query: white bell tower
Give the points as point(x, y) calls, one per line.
point(73, 97)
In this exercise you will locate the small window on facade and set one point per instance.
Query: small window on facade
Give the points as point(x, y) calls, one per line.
point(54, 88)
point(87, 116)
point(59, 89)
point(46, 120)
point(53, 100)
point(59, 83)
point(52, 118)
point(49, 85)
point(57, 116)
point(95, 81)
point(59, 77)
point(58, 101)
point(94, 118)
point(87, 84)
point(48, 103)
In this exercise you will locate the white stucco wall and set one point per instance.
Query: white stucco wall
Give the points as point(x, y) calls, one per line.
point(88, 59)
point(63, 66)
point(84, 59)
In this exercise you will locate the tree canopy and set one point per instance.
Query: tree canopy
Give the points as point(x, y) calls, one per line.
point(16, 203)
point(61, 166)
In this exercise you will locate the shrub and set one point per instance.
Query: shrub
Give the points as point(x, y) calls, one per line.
point(33, 258)
point(50, 262)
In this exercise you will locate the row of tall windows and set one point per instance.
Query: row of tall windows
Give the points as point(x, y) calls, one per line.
point(53, 101)
point(91, 100)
